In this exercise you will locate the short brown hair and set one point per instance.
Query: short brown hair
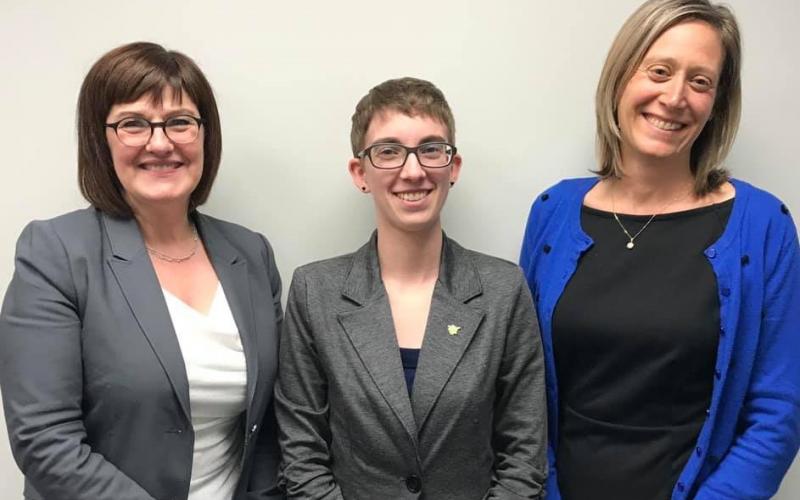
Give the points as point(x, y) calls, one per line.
point(634, 39)
point(124, 75)
point(410, 96)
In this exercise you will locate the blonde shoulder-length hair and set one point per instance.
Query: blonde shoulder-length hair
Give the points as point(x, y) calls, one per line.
point(634, 39)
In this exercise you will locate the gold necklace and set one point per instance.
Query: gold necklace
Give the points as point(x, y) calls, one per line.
point(631, 238)
point(177, 260)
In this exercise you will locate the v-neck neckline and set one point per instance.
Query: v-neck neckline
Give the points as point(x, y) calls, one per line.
point(196, 312)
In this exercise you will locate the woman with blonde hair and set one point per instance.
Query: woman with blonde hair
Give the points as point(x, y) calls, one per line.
point(668, 293)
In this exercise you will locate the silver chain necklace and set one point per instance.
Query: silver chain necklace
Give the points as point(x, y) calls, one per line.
point(177, 260)
point(631, 238)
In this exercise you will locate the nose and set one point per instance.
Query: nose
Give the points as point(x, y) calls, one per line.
point(159, 142)
point(412, 169)
point(674, 94)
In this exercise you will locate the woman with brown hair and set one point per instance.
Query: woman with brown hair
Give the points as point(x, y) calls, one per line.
point(668, 293)
point(138, 342)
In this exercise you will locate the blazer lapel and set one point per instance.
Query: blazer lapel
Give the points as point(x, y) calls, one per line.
point(450, 328)
point(232, 272)
point(137, 279)
point(370, 329)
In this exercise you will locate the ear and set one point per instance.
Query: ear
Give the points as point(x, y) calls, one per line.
point(357, 173)
point(455, 168)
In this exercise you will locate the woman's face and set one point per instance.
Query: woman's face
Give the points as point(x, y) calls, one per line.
point(409, 198)
point(670, 97)
point(160, 173)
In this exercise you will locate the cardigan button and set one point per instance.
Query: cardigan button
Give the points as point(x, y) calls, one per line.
point(413, 484)
point(717, 374)
point(545, 197)
point(681, 487)
point(699, 451)
point(725, 291)
point(745, 260)
point(546, 248)
point(711, 253)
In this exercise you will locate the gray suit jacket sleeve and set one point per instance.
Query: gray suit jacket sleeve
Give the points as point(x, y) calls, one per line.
point(41, 376)
point(302, 406)
point(520, 427)
point(264, 477)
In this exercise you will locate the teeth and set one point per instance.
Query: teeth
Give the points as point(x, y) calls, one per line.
point(161, 167)
point(413, 196)
point(663, 124)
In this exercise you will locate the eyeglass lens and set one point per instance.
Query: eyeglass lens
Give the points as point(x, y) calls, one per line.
point(137, 131)
point(432, 155)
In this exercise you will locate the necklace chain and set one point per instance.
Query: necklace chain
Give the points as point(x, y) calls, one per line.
point(177, 260)
point(632, 238)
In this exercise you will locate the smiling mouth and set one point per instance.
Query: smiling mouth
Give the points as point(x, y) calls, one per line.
point(160, 167)
point(660, 124)
point(413, 195)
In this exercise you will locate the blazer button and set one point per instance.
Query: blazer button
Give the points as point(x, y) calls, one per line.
point(413, 484)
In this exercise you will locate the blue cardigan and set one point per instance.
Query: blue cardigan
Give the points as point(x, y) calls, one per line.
point(752, 431)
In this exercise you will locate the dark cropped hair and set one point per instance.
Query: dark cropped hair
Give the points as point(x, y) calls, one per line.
point(123, 75)
point(410, 96)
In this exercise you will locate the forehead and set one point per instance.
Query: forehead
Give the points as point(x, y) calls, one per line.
point(167, 101)
point(407, 129)
point(693, 41)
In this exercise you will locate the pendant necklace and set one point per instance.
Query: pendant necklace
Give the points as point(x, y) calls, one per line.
point(176, 260)
point(631, 238)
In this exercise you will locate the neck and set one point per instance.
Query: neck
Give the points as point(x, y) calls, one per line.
point(163, 226)
point(646, 184)
point(410, 256)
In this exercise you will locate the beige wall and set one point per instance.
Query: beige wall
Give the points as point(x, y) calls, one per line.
point(520, 76)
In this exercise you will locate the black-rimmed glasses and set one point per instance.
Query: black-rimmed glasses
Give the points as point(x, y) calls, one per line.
point(392, 155)
point(134, 131)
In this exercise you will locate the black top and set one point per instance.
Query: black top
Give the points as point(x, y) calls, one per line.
point(635, 336)
point(409, 357)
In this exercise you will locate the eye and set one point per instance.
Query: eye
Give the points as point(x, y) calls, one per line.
point(134, 125)
point(387, 151)
point(659, 73)
point(702, 84)
point(180, 122)
point(432, 150)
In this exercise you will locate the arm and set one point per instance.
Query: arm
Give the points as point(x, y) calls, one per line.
point(520, 418)
point(41, 374)
point(263, 483)
point(530, 240)
point(301, 404)
point(769, 422)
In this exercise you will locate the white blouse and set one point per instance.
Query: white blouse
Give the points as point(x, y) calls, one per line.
point(215, 366)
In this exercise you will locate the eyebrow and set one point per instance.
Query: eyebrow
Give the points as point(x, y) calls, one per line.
point(140, 113)
point(674, 62)
point(395, 140)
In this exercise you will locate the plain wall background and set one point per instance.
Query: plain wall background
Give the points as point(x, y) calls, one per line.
point(519, 75)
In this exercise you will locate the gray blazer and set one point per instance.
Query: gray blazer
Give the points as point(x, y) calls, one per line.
point(475, 425)
point(94, 385)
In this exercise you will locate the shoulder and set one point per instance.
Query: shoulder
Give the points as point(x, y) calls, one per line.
point(246, 242)
point(81, 228)
point(232, 231)
point(493, 272)
point(566, 192)
point(333, 269)
point(762, 209)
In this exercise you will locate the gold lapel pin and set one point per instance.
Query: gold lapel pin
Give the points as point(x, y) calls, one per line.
point(453, 329)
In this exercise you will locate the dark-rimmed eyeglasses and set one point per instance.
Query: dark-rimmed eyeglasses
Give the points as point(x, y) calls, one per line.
point(391, 155)
point(134, 131)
